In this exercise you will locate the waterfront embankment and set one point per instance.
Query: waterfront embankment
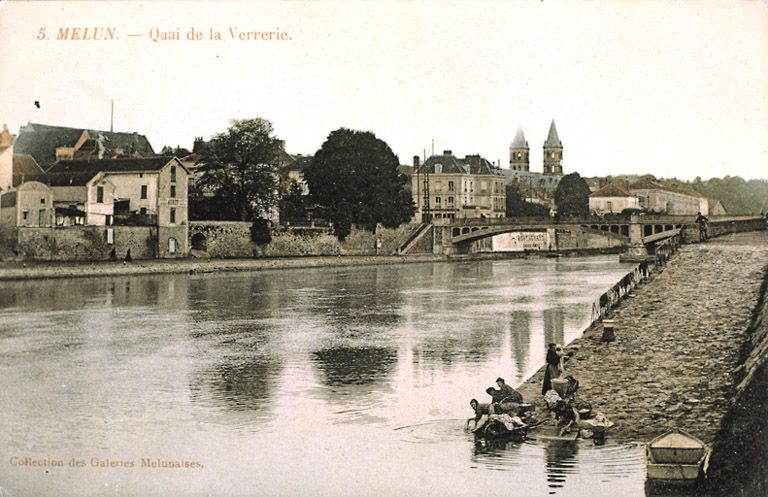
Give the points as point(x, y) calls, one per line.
point(45, 270)
point(679, 341)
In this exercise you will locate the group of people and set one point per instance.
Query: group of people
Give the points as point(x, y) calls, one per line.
point(504, 400)
point(559, 390)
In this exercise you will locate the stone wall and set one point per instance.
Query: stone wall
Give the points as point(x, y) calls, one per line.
point(85, 243)
point(221, 239)
point(225, 239)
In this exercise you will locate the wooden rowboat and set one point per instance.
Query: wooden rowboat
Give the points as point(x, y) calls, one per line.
point(677, 458)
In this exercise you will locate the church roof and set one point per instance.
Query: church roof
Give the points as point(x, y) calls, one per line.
point(519, 141)
point(552, 139)
point(41, 141)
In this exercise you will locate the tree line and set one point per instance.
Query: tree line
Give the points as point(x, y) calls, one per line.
point(352, 179)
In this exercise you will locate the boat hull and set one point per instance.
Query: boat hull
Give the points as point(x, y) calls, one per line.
point(676, 474)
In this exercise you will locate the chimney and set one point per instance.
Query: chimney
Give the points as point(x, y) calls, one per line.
point(447, 152)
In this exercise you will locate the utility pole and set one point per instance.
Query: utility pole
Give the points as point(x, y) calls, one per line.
point(426, 216)
point(112, 117)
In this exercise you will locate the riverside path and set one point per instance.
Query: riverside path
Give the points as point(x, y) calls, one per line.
point(679, 336)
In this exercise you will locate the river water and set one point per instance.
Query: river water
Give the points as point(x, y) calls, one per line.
point(311, 382)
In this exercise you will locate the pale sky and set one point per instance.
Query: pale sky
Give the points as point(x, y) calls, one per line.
point(667, 88)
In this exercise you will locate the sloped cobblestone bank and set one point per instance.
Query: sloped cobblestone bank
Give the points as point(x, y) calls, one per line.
point(740, 458)
point(679, 341)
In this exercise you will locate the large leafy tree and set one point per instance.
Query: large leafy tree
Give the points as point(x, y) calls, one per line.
point(240, 167)
point(354, 179)
point(517, 206)
point(572, 196)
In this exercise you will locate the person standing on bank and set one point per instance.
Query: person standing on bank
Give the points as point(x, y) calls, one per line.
point(553, 370)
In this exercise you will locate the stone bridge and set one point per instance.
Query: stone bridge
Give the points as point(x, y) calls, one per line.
point(639, 235)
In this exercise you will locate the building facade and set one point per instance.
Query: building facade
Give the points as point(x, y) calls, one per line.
point(656, 197)
point(612, 199)
point(149, 192)
point(446, 187)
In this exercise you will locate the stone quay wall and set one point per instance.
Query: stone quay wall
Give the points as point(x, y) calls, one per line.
point(232, 239)
point(679, 341)
point(85, 243)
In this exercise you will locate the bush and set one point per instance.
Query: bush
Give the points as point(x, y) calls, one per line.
point(261, 233)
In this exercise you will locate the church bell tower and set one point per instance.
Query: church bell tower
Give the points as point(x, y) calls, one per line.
point(518, 152)
point(553, 152)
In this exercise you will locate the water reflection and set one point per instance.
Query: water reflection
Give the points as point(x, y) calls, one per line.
point(248, 385)
point(169, 292)
point(520, 324)
point(355, 366)
point(560, 460)
point(554, 325)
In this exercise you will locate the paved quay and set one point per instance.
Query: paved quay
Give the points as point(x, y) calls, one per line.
point(679, 337)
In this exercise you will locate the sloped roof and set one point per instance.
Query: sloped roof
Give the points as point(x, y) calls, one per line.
point(611, 190)
point(471, 164)
point(41, 140)
point(647, 184)
point(8, 199)
point(301, 162)
point(79, 172)
point(479, 165)
point(519, 141)
point(26, 169)
point(552, 139)
point(450, 165)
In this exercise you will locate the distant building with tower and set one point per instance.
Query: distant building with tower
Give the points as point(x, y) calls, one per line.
point(552, 164)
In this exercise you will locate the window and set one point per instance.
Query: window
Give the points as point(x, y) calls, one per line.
point(173, 191)
point(609, 206)
point(437, 200)
point(144, 191)
point(450, 201)
point(171, 245)
point(173, 215)
point(143, 211)
point(42, 201)
point(108, 220)
point(25, 215)
point(100, 194)
point(173, 173)
point(451, 186)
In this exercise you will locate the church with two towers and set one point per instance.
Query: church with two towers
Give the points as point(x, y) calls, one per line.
point(519, 161)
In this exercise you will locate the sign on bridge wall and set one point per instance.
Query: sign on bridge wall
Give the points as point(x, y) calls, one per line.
point(522, 240)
